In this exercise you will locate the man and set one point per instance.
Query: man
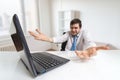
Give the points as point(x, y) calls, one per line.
point(77, 39)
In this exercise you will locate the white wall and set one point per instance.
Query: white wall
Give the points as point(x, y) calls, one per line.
point(45, 16)
point(45, 27)
point(100, 17)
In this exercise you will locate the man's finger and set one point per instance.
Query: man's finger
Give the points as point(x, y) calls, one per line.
point(102, 48)
point(31, 33)
point(38, 31)
point(82, 54)
point(91, 51)
point(78, 52)
point(86, 55)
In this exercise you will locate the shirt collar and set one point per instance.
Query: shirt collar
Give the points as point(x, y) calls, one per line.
point(80, 32)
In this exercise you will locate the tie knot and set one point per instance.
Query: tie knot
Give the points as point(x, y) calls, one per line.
point(74, 37)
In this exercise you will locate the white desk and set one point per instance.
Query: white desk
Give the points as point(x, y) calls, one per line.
point(104, 66)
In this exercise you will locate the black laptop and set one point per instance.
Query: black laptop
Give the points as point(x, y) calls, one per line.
point(36, 63)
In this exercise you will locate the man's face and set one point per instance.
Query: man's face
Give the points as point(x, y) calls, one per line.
point(75, 29)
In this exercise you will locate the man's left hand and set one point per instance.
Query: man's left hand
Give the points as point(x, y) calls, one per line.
point(86, 54)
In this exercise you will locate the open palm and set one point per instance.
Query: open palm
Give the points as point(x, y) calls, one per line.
point(38, 35)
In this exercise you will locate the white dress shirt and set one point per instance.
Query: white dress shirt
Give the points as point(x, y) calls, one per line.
point(83, 40)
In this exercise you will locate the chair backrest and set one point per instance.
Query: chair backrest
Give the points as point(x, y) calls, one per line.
point(63, 44)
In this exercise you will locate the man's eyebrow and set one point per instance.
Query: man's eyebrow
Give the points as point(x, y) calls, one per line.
point(74, 27)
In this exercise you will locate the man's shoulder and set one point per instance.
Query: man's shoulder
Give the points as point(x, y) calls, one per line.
point(67, 32)
point(84, 31)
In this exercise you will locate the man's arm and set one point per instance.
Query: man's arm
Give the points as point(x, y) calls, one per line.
point(40, 36)
point(86, 54)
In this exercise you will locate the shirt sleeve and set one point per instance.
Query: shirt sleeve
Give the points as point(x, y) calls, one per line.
point(61, 39)
point(88, 42)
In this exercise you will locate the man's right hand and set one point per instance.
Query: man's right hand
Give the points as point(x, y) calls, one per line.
point(40, 36)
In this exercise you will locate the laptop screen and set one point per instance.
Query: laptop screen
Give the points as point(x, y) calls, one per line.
point(20, 43)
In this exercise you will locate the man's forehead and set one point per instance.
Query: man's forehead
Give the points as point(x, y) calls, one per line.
point(75, 25)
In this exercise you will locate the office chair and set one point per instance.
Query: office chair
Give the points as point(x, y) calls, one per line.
point(63, 44)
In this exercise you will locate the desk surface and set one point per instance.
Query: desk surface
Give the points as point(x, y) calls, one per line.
point(104, 66)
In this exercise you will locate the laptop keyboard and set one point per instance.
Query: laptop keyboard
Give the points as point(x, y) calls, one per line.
point(46, 61)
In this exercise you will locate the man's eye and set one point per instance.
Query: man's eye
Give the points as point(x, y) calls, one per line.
point(74, 27)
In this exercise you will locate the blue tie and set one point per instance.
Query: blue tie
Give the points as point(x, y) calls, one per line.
point(74, 43)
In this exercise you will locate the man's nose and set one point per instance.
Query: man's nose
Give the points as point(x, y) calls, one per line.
point(73, 29)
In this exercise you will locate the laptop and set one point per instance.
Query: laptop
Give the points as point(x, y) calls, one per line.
point(37, 63)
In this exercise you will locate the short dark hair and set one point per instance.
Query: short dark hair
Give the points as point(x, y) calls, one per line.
point(75, 21)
